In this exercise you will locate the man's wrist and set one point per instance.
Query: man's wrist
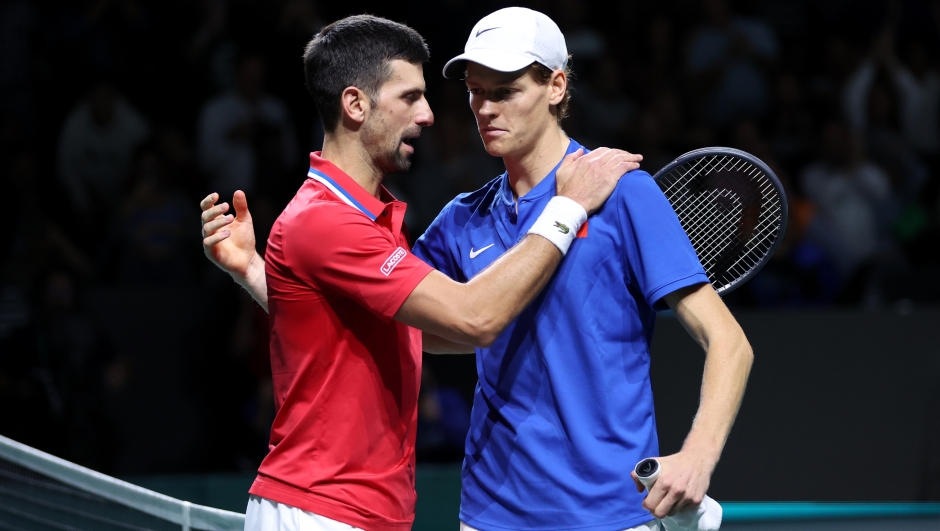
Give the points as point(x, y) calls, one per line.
point(559, 222)
point(705, 452)
point(254, 271)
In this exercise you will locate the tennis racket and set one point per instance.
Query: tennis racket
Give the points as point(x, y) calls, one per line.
point(731, 206)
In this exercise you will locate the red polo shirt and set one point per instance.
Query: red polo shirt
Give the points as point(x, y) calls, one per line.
point(346, 375)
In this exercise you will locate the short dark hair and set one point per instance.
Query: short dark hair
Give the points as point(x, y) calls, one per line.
point(543, 75)
point(356, 52)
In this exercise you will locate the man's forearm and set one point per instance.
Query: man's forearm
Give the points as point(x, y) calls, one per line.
point(727, 365)
point(499, 293)
point(255, 281)
point(478, 311)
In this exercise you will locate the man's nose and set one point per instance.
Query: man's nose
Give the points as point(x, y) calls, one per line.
point(425, 117)
point(488, 108)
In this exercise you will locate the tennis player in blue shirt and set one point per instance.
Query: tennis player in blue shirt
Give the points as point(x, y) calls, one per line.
point(563, 409)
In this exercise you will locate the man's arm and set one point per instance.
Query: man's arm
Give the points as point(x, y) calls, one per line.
point(474, 313)
point(478, 311)
point(433, 344)
point(229, 242)
point(686, 475)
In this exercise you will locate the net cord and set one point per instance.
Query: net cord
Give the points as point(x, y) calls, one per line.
point(188, 516)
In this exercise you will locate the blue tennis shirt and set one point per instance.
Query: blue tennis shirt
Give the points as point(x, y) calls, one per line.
point(563, 408)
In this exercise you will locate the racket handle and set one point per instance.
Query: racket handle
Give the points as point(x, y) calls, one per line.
point(705, 517)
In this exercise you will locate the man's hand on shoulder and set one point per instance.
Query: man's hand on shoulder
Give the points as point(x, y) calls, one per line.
point(682, 484)
point(229, 241)
point(590, 179)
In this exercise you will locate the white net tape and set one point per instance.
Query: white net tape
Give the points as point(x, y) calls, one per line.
point(41, 491)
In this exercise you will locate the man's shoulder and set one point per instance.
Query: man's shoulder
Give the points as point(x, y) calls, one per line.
point(634, 186)
point(318, 213)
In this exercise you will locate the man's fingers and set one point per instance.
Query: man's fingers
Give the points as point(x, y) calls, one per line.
point(653, 499)
point(665, 506)
point(573, 156)
point(679, 507)
point(209, 241)
point(210, 200)
point(214, 212)
point(216, 224)
point(639, 486)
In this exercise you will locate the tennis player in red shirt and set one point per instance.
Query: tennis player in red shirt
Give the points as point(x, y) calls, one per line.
point(348, 301)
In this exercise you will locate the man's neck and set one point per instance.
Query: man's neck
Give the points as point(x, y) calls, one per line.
point(348, 155)
point(528, 169)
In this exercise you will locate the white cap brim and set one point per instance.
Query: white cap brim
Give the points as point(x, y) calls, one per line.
point(498, 60)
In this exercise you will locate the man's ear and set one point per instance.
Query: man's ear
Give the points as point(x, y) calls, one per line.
point(355, 105)
point(558, 84)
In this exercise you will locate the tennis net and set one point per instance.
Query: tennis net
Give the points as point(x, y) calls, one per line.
point(40, 492)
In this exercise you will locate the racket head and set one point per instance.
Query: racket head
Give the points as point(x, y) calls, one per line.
point(733, 208)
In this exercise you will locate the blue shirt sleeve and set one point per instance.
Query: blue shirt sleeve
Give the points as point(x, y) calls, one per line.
point(658, 254)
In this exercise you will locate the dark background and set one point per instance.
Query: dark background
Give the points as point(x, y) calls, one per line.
point(123, 349)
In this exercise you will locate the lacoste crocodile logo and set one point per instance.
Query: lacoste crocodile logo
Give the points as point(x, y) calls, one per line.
point(562, 228)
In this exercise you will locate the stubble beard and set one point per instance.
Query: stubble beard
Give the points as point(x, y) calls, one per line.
point(385, 150)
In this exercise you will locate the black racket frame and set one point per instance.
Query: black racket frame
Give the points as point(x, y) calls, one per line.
point(784, 214)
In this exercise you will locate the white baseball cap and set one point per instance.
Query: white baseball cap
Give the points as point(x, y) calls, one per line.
point(511, 39)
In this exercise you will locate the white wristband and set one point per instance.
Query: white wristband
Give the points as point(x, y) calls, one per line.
point(559, 222)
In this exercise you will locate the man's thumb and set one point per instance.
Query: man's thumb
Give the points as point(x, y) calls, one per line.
point(240, 202)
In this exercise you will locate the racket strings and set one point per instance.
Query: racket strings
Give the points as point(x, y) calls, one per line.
point(731, 211)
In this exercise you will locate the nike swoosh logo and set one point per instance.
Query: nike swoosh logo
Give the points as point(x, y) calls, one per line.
point(484, 31)
point(474, 254)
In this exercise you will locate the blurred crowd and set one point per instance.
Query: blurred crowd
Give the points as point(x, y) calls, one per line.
point(118, 116)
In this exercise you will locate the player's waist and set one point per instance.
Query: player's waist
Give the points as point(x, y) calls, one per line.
point(386, 504)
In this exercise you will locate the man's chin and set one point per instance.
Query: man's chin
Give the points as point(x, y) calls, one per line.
point(495, 149)
point(399, 164)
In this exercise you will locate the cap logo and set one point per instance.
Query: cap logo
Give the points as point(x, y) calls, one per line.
point(485, 30)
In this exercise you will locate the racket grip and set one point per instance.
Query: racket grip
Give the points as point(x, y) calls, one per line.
point(705, 517)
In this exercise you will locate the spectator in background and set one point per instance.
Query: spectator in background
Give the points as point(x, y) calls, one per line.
point(178, 159)
point(31, 239)
point(727, 56)
point(791, 122)
point(916, 90)
point(96, 145)
point(246, 133)
point(153, 226)
point(79, 369)
point(885, 143)
point(852, 195)
point(800, 272)
point(211, 50)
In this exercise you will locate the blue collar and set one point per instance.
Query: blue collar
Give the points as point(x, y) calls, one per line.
point(545, 186)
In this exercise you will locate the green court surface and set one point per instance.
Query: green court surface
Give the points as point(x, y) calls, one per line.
point(439, 500)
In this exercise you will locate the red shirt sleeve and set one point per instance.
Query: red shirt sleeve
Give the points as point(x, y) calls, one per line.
point(342, 252)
